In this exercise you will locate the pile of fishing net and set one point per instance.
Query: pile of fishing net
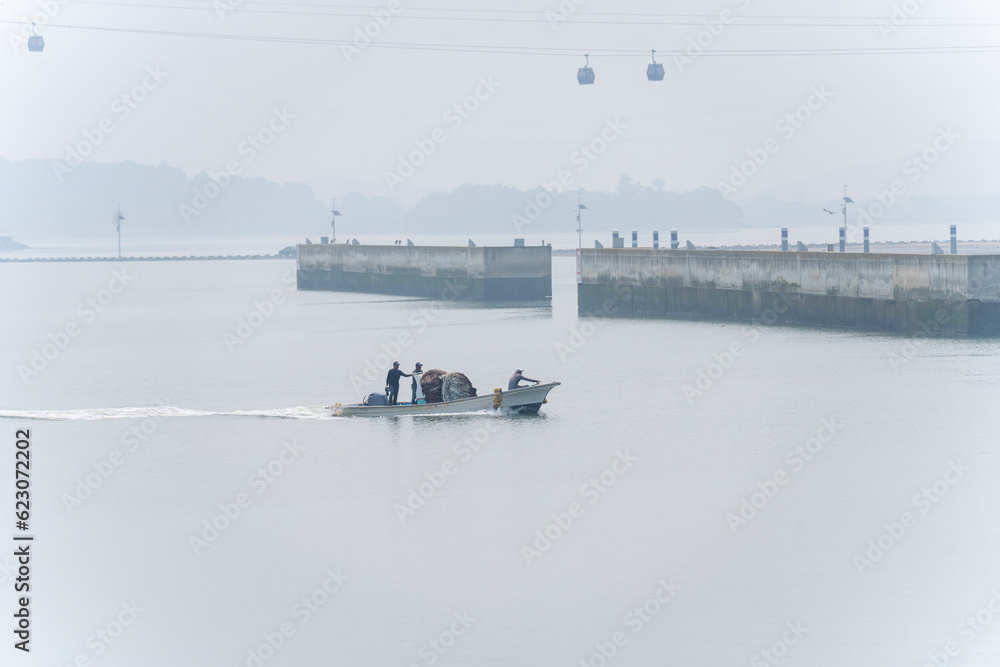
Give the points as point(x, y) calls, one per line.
point(439, 386)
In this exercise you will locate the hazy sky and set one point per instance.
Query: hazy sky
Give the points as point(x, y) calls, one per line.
point(347, 117)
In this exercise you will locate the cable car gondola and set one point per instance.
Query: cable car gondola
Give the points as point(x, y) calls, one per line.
point(585, 75)
point(655, 70)
point(35, 42)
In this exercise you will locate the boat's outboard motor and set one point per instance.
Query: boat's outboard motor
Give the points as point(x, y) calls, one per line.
point(376, 399)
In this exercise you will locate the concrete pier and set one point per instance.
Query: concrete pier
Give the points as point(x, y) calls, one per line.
point(954, 295)
point(437, 272)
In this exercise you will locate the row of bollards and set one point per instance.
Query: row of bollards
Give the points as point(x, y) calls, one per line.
point(867, 241)
point(618, 242)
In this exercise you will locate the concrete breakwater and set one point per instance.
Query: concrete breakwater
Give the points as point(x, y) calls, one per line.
point(955, 295)
point(436, 272)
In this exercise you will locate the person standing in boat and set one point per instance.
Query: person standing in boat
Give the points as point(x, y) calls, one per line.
point(392, 382)
point(418, 391)
point(515, 379)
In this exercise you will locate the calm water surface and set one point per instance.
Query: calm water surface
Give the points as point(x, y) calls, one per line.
point(155, 382)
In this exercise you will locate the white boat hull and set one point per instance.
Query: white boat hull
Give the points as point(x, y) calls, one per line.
point(526, 400)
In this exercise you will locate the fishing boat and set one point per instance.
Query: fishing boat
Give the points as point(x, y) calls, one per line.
point(522, 401)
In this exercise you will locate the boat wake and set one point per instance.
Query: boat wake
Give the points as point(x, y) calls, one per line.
point(162, 412)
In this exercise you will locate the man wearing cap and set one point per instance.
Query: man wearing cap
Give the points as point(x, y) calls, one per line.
point(418, 391)
point(392, 382)
point(516, 378)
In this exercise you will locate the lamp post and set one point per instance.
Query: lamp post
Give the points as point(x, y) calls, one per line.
point(333, 221)
point(118, 226)
point(843, 234)
point(580, 208)
point(843, 230)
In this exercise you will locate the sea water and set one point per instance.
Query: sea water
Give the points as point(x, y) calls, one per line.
point(694, 493)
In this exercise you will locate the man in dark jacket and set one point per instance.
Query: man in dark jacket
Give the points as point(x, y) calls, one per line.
point(515, 379)
point(392, 382)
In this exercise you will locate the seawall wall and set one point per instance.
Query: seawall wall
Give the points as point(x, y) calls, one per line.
point(955, 295)
point(437, 272)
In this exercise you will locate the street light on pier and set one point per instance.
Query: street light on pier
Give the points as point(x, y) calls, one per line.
point(118, 226)
point(843, 230)
point(580, 208)
point(333, 221)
